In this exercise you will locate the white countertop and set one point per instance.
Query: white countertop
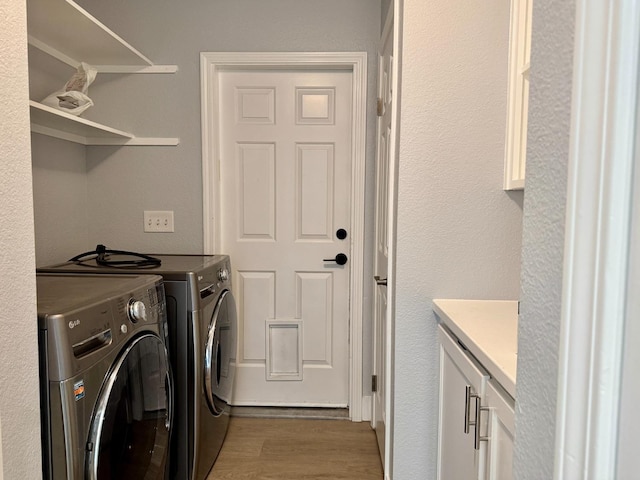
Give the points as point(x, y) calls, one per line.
point(489, 330)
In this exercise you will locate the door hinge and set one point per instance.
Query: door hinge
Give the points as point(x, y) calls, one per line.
point(380, 107)
point(374, 383)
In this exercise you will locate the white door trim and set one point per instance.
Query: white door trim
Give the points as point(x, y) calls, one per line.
point(210, 65)
point(605, 85)
point(628, 462)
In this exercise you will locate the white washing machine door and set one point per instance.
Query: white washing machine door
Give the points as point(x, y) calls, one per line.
point(130, 427)
point(219, 355)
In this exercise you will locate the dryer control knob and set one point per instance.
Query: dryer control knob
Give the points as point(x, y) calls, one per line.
point(137, 311)
point(223, 275)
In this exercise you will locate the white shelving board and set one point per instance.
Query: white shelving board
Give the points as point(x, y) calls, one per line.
point(56, 123)
point(69, 33)
point(64, 30)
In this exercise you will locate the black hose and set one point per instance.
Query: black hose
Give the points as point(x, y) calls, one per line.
point(102, 258)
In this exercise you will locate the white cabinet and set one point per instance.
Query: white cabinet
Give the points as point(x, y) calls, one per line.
point(500, 429)
point(461, 451)
point(518, 94)
point(64, 30)
point(476, 422)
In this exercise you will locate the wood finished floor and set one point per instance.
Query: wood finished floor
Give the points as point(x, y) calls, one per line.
point(297, 449)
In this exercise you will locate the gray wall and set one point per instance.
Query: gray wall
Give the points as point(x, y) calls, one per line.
point(19, 402)
point(543, 237)
point(122, 182)
point(386, 6)
point(458, 232)
point(60, 205)
point(59, 175)
point(125, 181)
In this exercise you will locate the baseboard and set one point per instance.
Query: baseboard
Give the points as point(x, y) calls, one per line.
point(291, 412)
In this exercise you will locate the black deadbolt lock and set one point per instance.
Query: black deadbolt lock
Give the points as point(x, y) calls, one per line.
point(341, 234)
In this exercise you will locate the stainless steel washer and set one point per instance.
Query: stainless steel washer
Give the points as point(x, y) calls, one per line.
point(202, 337)
point(106, 387)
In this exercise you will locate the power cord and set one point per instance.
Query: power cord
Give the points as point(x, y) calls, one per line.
point(102, 258)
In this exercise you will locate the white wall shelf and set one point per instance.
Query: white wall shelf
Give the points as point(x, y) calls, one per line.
point(64, 30)
point(69, 33)
point(56, 123)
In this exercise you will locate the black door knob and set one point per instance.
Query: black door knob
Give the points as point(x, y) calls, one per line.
point(341, 234)
point(340, 259)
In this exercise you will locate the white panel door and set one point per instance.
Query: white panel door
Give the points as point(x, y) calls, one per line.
point(383, 219)
point(285, 181)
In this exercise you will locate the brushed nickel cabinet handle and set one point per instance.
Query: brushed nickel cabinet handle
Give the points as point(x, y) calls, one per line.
point(478, 438)
point(467, 404)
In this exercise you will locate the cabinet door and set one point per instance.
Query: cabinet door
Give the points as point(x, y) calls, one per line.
point(500, 429)
point(518, 94)
point(457, 456)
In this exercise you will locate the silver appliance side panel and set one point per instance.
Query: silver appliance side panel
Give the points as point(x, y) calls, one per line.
point(180, 341)
point(196, 401)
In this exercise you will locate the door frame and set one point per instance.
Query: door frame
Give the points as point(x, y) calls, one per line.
point(597, 303)
point(211, 64)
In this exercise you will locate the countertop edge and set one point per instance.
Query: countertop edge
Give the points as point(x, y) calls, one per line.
point(500, 365)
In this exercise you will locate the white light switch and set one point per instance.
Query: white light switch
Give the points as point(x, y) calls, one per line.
point(158, 221)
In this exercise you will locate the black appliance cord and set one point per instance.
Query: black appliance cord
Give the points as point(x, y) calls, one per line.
point(102, 253)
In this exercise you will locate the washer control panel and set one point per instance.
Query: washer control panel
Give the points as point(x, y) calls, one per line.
point(223, 275)
point(88, 316)
point(215, 278)
point(136, 311)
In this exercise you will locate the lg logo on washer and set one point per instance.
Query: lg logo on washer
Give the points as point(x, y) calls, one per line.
point(74, 323)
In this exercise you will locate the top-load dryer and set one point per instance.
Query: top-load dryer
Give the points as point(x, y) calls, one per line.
point(202, 332)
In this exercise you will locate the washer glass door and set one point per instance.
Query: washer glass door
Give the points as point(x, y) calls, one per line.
point(219, 355)
point(129, 436)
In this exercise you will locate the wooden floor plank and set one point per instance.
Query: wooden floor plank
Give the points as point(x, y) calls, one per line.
point(297, 449)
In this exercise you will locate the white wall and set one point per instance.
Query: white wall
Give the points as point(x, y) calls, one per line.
point(19, 392)
point(458, 231)
point(543, 237)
